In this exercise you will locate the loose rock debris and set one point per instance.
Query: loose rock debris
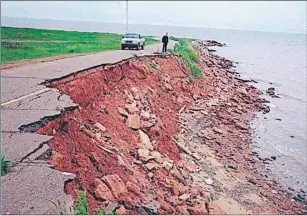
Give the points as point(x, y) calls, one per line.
point(271, 91)
point(140, 137)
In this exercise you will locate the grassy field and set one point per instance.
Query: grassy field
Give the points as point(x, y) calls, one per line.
point(19, 44)
point(185, 48)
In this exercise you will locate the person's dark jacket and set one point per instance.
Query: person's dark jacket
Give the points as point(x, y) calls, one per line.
point(165, 39)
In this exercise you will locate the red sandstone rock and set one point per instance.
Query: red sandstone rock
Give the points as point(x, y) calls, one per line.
point(134, 89)
point(175, 189)
point(145, 140)
point(199, 209)
point(133, 110)
point(100, 127)
point(148, 124)
point(102, 191)
point(168, 87)
point(165, 206)
point(122, 112)
point(133, 188)
point(121, 210)
point(184, 197)
point(98, 136)
point(54, 131)
point(74, 143)
point(115, 184)
point(183, 189)
point(217, 130)
point(241, 125)
point(88, 133)
point(177, 174)
point(144, 154)
point(145, 115)
point(182, 210)
point(157, 156)
point(215, 209)
point(133, 122)
point(151, 166)
point(167, 165)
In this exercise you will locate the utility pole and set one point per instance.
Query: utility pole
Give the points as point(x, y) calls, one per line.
point(126, 16)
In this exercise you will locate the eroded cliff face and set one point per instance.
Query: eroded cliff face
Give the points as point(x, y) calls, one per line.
point(146, 139)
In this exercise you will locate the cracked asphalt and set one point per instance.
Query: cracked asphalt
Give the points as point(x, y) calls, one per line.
point(32, 186)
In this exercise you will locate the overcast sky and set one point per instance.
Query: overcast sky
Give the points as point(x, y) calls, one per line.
point(250, 15)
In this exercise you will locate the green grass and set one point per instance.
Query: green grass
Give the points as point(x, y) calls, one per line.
point(185, 48)
point(18, 44)
point(152, 65)
point(82, 207)
point(5, 166)
point(102, 212)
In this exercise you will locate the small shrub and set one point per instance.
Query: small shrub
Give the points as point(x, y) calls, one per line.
point(176, 48)
point(173, 38)
point(191, 79)
point(74, 161)
point(82, 207)
point(190, 56)
point(5, 166)
point(102, 212)
point(196, 72)
point(154, 66)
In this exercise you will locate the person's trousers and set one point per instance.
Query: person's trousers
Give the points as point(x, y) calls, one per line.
point(164, 49)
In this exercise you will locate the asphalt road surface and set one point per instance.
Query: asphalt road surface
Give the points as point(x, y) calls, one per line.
point(32, 187)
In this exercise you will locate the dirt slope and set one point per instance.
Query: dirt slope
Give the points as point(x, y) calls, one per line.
point(147, 140)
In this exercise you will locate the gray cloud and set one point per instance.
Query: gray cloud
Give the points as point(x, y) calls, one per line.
point(286, 16)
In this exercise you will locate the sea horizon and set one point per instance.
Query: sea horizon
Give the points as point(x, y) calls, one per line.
point(157, 25)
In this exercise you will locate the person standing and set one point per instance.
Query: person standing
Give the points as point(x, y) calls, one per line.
point(165, 42)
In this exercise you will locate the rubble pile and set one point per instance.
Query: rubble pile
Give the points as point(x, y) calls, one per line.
point(271, 92)
point(139, 138)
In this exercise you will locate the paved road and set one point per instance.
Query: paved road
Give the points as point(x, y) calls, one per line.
point(19, 81)
point(32, 187)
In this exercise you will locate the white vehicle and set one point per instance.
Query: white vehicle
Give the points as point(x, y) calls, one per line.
point(132, 40)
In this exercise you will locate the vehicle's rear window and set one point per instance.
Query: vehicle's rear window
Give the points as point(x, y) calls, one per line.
point(131, 36)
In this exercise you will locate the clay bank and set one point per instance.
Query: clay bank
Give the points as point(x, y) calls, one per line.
point(148, 137)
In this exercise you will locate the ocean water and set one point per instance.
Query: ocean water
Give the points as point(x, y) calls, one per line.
point(273, 59)
point(277, 60)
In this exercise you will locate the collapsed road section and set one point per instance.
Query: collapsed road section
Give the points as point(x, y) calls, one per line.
point(148, 139)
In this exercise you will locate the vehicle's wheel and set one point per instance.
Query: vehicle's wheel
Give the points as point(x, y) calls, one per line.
point(123, 47)
point(143, 47)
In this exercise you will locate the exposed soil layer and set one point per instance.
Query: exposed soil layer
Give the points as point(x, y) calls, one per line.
point(147, 140)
